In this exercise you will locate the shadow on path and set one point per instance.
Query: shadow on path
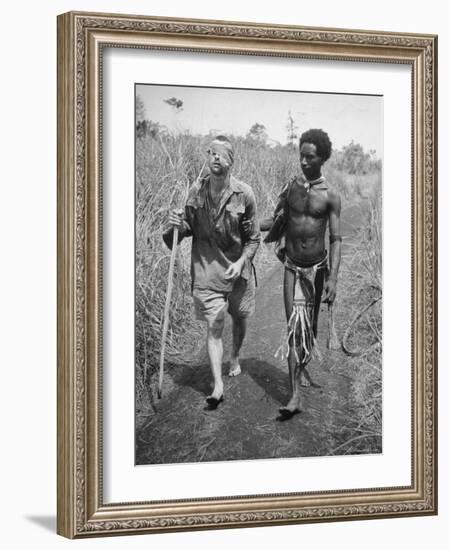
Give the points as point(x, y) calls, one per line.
point(196, 377)
point(269, 378)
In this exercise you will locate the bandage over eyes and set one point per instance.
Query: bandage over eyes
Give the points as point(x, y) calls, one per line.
point(224, 148)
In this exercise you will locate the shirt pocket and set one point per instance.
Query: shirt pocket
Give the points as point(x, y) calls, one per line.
point(235, 210)
point(232, 215)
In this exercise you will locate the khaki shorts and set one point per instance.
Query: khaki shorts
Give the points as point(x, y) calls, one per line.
point(211, 305)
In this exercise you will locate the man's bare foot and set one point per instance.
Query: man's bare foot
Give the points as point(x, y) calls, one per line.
point(305, 379)
point(234, 368)
point(290, 409)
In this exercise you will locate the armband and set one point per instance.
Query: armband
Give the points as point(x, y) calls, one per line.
point(333, 238)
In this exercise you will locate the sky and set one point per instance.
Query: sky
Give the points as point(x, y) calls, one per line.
point(345, 117)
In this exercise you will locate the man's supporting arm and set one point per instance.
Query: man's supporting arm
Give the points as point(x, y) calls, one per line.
point(334, 245)
point(276, 224)
point(266, 224)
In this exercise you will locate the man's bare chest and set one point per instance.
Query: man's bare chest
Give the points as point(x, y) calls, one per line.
point(313, 203)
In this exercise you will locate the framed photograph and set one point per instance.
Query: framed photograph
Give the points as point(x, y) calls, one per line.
point(246, 274)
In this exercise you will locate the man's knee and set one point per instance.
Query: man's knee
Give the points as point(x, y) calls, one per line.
point(215, 328)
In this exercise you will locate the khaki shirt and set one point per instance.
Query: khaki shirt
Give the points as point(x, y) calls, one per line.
point(217, 234)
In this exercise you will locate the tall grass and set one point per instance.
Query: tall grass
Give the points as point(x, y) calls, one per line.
point(166, 165)
point(362, 281)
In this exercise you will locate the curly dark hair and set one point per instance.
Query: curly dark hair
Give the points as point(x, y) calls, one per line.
point(320, 139)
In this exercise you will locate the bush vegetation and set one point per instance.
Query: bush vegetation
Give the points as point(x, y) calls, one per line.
point(167, 164)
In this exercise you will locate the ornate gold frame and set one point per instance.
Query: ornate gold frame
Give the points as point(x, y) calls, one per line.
point(81, 37)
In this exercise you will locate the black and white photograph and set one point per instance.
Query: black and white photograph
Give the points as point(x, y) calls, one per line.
point(258, 274)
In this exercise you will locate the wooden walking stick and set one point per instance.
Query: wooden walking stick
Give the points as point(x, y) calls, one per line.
point(167, 308)
point(332, 339)
point(171, 269)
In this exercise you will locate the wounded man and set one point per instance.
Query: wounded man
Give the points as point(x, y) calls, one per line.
point(222, 252)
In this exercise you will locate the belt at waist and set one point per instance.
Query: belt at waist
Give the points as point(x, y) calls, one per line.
point(293, 266)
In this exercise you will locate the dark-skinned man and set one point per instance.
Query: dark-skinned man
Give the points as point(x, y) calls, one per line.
point(307, 206)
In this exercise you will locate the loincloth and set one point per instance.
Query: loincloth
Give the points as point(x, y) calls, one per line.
point(303, 321)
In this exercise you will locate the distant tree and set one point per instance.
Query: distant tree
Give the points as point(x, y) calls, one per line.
point(292, 130)
point(354, 160)
point(148, 128)
point(258, 132)
point(140, 109)
point(176, 103)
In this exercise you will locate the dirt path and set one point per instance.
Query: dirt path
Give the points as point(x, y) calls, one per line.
point(245, 425)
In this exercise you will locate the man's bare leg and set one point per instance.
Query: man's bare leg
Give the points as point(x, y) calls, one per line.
point(302, 373)
point(238, 335)
point(215, 351)
point(294, 370)
point(292, 406)
point(305, 380)
point(298, 373)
